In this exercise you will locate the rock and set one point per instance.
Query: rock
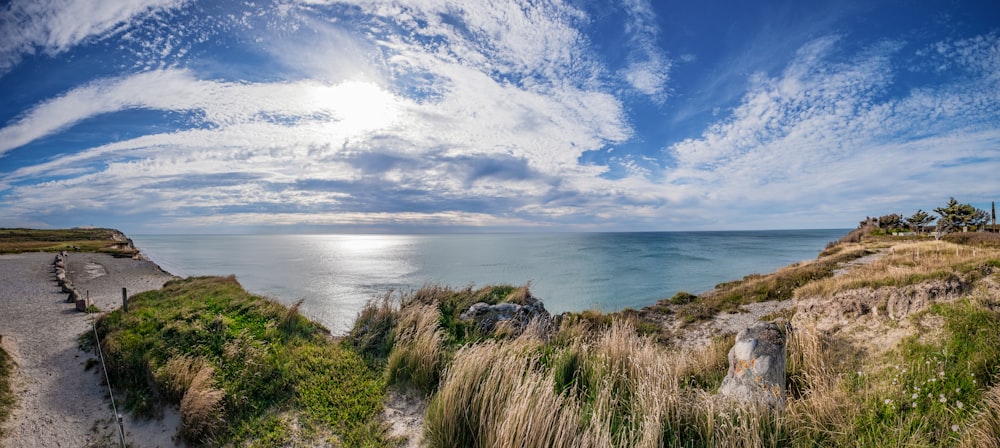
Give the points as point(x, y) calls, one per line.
point(486, 316)
point(81, 305)
point(74, 296)
point(757, 367)
point(66, 285)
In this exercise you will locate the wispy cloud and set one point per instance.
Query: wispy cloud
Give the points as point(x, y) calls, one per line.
point(648, 70)
point(51, 27)
point(826, 127)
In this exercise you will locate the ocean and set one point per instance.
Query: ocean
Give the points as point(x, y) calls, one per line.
point(335, 275)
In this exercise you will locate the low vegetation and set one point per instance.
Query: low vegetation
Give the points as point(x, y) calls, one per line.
point(780, 285)
point(77, 239)
point(244, 370)
point(7, 398)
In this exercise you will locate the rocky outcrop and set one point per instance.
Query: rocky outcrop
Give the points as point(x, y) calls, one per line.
point(757, 366)
point(487, 318)
point(889, 302)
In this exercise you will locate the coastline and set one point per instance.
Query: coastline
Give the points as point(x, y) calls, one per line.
point(59, 402)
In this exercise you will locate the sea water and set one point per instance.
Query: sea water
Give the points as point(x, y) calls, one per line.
point(335, 275)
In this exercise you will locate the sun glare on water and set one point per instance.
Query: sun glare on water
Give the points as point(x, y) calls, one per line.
point(356, 107)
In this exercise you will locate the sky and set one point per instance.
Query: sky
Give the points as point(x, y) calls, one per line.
point(174, 116)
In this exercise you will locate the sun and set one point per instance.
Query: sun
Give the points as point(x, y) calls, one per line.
point(356, 107)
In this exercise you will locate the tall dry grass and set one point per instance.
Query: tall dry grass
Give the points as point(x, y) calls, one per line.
point(985, 429)
point(904, 264)
point(416, 355)
point(176, 375)
point(619, 389)
point(820, 404)
point(201, 409)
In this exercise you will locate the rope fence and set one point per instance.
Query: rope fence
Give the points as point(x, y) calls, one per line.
point(107, 379)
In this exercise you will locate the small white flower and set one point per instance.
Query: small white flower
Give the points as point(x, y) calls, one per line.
point(960, 405)
point(913, 397)
point(916, 388)
point(941, 373)
point(943, 400)
point(954, 428)
point(913, 405)
point(888, 401)
point(958, 389)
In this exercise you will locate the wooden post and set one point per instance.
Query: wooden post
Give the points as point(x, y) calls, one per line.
point(124, 300)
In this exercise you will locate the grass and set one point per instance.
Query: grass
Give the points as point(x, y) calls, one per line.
point(55, 240)
point(7, 398)
point(909, 263)
point(234, 363)
point(780, 285)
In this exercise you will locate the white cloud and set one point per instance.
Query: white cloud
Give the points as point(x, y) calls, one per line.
point(54, 26)
point(827, 130)
point(648, 70)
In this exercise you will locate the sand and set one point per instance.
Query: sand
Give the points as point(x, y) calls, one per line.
point(60, 403)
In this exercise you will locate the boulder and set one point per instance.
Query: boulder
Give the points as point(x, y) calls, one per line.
point(66, 286)
point(757, 366)
point(486, 317)
point(74, 296)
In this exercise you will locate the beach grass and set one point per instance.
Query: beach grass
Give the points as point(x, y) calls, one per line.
point(55, 240)
point(7, 398)
point(242, 368)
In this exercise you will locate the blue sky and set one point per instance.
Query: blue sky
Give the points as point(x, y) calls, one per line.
point(173, 116)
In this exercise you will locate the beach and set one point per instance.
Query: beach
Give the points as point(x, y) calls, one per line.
point(60, 403)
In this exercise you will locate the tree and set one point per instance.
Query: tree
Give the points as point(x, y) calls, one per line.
point(919, 220)
point(955, 215)
point(890, 222)
point(980, 219)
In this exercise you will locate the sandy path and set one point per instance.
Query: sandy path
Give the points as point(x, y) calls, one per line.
point(60, 404)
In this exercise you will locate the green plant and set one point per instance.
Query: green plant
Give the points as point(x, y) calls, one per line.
point(7, 398)
point(232, 360)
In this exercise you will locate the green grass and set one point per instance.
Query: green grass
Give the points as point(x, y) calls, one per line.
point(929, 392)
point(780, 285)
point(55, 240)
point(7, 398)
point(267, 360)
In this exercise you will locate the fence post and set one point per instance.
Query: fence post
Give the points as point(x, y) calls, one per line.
point(124, 301)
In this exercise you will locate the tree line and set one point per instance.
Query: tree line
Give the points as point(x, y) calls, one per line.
point(952, 217)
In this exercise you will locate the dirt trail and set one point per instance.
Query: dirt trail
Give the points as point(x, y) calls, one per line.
point(61, 404)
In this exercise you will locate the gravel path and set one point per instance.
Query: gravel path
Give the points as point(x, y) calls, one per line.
point(60, 404)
